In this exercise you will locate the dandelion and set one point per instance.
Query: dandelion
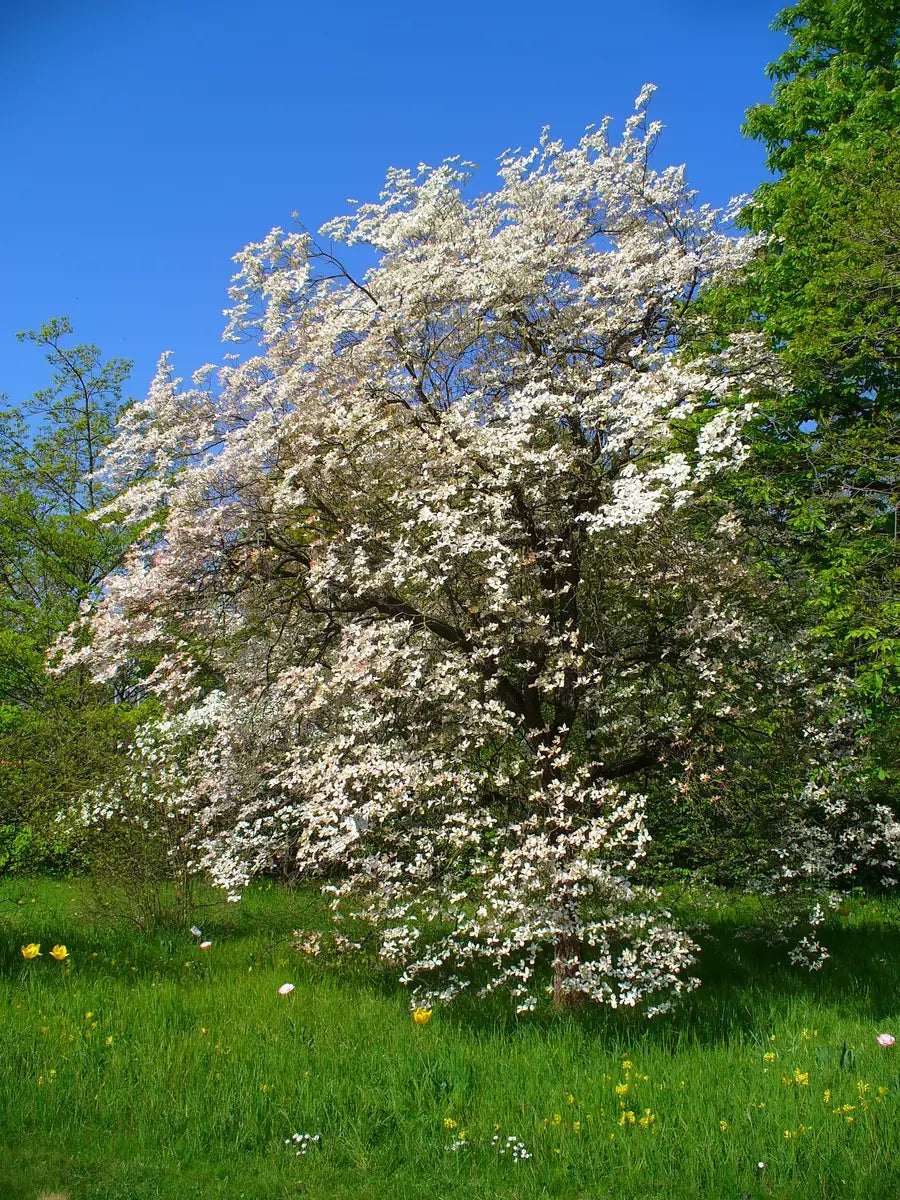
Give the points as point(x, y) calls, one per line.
point(421, 1016)
point(285, 989)
point(883, 1039)
point(33, 950)
point(205, 945)
point(59, 953)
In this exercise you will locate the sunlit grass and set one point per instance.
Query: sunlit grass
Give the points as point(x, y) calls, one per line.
point(145, 1067)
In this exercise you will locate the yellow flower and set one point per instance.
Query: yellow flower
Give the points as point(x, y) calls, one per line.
point(422, 1016)
point(769, 1058)
point(802, 1077)
point(621, 1089)
point(626, 1065)
point(59, 953)
point(449, 1123)
point(32, 950)
point(109, 1041)
point(723, 1125)
point(826, 1095)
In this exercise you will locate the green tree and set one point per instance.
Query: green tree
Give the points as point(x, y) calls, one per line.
point(827, 289)
point(56, 735)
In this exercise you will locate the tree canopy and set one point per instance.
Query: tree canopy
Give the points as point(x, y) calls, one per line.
point(438, 589)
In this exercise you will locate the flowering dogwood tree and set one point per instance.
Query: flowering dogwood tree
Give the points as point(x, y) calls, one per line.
point(430, 584)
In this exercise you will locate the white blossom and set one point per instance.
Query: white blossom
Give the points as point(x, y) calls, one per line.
point(421, 581)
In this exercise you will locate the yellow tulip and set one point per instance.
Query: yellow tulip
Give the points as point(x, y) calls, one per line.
point(422, 1016)
point(32, 950)
point(59, 953)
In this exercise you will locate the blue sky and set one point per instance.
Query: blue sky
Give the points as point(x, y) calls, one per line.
point(146, 141)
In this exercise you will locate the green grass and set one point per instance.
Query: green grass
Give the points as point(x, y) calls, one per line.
point(191, 1071)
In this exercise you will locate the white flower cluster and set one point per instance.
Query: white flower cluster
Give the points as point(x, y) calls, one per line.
point(302, 1142)
point(809, 953)
point(513, 1146)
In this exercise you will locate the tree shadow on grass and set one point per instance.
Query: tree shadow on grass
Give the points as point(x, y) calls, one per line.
point(747, 980)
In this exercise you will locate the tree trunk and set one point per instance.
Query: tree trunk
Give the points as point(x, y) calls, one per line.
point(565, 950)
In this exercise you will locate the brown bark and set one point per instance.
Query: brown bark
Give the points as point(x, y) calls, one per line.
point(565, 951)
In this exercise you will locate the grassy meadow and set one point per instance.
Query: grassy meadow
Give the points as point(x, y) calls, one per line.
point(145, 1067)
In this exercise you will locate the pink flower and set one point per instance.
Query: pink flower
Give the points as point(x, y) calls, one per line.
point(205, 945)
point(285, 989)
point(885, 1039)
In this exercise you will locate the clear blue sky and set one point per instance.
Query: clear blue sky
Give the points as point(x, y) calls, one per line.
point(145, 142)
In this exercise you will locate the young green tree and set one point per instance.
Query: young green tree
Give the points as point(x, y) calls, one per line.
point(55, 735)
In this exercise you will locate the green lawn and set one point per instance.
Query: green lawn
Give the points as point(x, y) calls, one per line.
point(149, 1068)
